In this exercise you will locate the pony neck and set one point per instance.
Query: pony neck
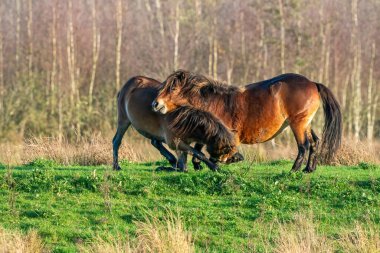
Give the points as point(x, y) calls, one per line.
point(226, 107)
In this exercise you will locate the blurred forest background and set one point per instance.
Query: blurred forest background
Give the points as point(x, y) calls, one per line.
point(62, 62)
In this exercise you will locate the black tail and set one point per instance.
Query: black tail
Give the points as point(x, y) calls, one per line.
point(332, 130)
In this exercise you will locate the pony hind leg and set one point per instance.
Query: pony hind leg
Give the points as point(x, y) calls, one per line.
point(199, 155)
point(116, 141)
point(300, 133)
point(196, 162)
point(314, 144)
point(166, 153)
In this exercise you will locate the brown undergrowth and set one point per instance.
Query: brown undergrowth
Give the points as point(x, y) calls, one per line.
point(98, 150)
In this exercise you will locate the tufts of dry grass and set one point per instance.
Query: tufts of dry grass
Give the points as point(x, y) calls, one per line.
point(253, 153)
point(354, 152)
point(16, 242)
point(153, 235)
point(98, 150)
point(301, 236)
point(361, 239)
point(91, 151)
point(118, 244)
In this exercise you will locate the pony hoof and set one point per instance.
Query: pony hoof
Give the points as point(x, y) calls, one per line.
point(307, 170)
point(163, 168)
point(214, 168)
point(198, 166)
point(116, 167)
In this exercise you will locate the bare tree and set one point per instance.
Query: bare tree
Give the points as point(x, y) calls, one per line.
point(18, 42)
point(54, 58)
point(373, 97)
point(176, 36)
point(95, 54)
point(1, 67)
point(282, 25)
point(356, 72)
point(30, 39)
point(119, 28)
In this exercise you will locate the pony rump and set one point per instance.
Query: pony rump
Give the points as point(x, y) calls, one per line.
point(186, 122)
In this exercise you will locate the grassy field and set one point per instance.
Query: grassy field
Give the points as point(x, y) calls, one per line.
point(243, 208)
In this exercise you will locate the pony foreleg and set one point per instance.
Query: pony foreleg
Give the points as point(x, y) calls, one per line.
point(184, 147)
point(196, 162)
point(166, 153)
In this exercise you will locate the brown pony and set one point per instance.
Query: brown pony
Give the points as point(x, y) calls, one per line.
point(260, 111)
point(177, 128)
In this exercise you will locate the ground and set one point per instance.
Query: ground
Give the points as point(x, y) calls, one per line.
point(235, 209)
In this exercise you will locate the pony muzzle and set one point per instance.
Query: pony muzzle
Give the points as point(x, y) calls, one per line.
point(157, 106)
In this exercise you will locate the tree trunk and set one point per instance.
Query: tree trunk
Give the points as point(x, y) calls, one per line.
point(54, 60)
point(74, 94)
point(282, 60)
point(149, 33)
point(2, 88)
point(71, 56)
point(356, 73)
point(95, 54)
point(119, 28)
point(18, 28)
point(372, 102)
point(197, 52)
point(176, 36)
point(30, 40)
point(322, 34)
point(59, 94)
point(215, 60)
point(210, 51)
point(164, 56)
point(230, 61)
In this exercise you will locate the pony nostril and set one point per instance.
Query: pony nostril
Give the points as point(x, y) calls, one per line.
point(154, 104)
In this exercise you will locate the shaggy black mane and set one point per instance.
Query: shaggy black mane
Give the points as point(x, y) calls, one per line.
point(187, 122)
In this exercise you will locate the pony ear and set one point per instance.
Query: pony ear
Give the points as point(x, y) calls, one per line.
point(179, 77)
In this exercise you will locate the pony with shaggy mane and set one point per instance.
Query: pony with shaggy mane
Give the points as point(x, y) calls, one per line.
point(260, 111)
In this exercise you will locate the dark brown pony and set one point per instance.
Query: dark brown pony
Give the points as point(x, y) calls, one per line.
point(177, 128)
point(260, 111)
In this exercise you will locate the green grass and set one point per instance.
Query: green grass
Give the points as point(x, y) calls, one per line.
point(227, 211)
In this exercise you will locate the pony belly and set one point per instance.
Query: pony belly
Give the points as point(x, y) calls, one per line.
point(263, 133)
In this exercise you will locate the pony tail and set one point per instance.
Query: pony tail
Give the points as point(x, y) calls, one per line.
point(332, 130)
